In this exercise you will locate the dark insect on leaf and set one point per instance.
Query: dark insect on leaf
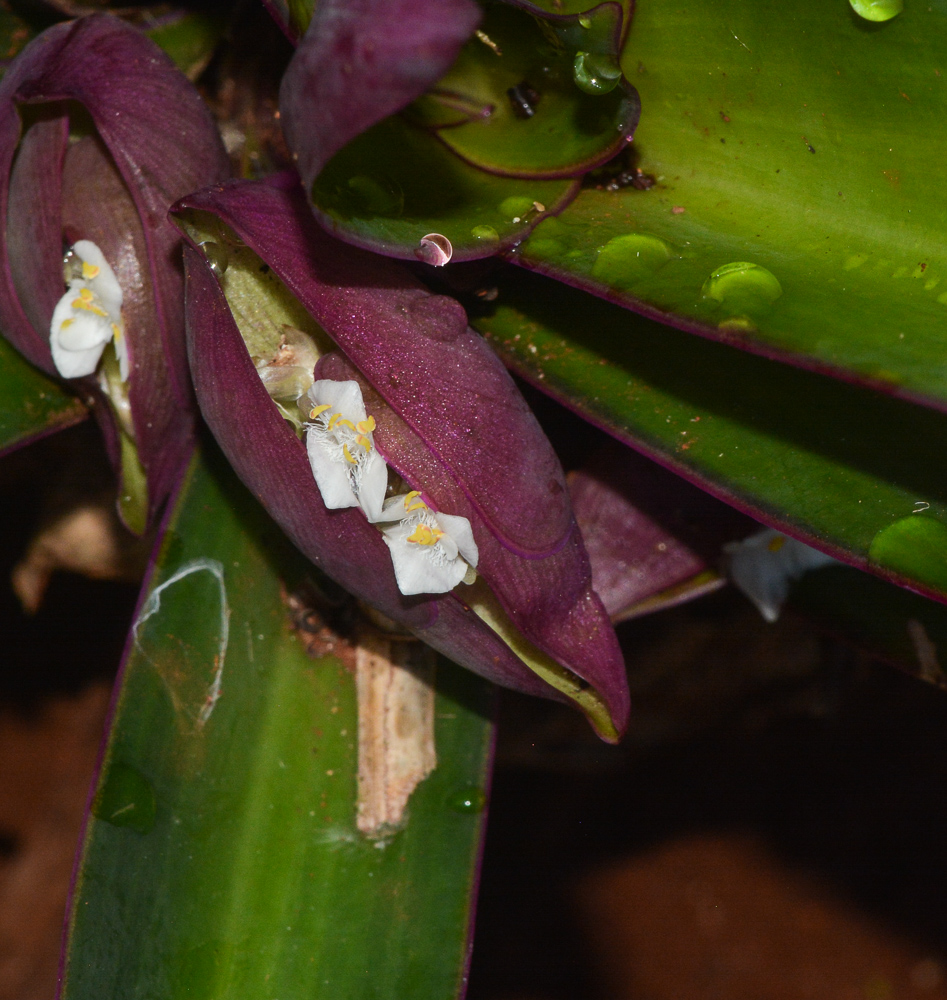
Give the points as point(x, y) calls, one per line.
point(524, 99)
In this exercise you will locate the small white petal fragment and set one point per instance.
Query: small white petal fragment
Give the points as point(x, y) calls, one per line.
point(348, 470)
point(434, 249)
point(431, 552)
point(764, 565)
point(89, 315)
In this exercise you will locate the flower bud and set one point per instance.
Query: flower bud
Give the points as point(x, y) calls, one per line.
point(99, 134)
point(474, 547)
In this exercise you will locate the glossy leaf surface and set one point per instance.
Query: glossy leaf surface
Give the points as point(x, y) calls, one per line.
point(511, 104)
point(798, 140)
point(835, 465)
point(31, 404)
point(396, 183)
point(225, 860)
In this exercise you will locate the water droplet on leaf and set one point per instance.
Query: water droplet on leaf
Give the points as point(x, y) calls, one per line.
point(434, 249)
point(626, 260)
point(468, 800)
point(595, 74)
point(877, 10)
point(486, 234)
point(915, 547)
point(515, 207)
point(216, 256)
point(125, 798)
point(742, 287)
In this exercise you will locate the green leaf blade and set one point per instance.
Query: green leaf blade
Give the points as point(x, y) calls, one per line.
point(253, 881)
point(31, 404)
point(735, 97)
point(833, 464)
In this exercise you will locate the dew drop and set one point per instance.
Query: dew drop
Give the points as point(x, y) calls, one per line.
point(515, 207)
point(595, 74)
point(125, 798)
point(877, 10)
point(468, 800)
point(914, 546)
point(486, 234)
point(626, 260)
point(216, 256)
point(434, 249)
point(742, 287)
point(545, 247)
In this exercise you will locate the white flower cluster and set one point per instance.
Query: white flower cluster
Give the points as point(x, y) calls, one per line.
point(89, 315)
point(431, 552)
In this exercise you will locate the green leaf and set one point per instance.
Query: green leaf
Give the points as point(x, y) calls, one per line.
point(189, 38)
point(31, 403)
point(535, 99)
point(224, 859)
point(902, 628)
point(395, 184)
point(796, 138)
point(833, 464)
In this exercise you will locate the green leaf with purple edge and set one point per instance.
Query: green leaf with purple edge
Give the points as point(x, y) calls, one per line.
point(31, 403)
point(850, 471)
point(797, 147)
point(902, 628)
point(396, 183)
point(522, 99)
point(222, 857)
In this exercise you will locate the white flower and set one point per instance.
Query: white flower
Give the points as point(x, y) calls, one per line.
point(348, 470)
point(89, 315)
point(764, 565)
point(431, 552)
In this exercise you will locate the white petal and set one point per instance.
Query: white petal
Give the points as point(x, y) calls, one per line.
point(393, 509)
point(75, 364)
point(343, 397)
point(331, 477)
point(462, 534)
point(415, 571)
point(764, 565)
point(121, 352)
point(104, 285)
point(373, 485)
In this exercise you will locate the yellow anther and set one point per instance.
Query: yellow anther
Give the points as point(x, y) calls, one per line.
point(776, 543)
point(316, 410)
point(366, 426)
point(66, 322)
point(334, 419)
point(89, 271)
point(423, 535)
point(413, 501)
point(86, 305)
point(360, 439)
point(347, 423)
point(116, 333)
point(348, 455)
point(86, 294)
